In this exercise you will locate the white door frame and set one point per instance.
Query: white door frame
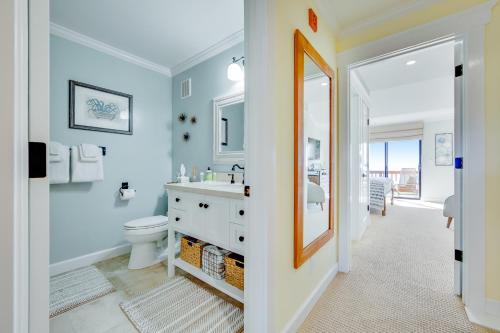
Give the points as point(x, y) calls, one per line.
point(25, 308)
point(469, 25)
point(14, 239)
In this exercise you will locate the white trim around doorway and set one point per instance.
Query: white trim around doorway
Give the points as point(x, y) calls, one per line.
point(469, 26)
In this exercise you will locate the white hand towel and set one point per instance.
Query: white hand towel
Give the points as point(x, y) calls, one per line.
point(88, 152)
point(55, 150)
point(58, 163)
point(82, 172)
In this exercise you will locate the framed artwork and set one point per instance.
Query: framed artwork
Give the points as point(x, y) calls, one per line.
point(444, 149)
point(223, 130)
point(98, 109)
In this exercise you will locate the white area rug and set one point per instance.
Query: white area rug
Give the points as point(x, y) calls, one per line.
point(72, 289)
point(181, 306)
point(401, 279)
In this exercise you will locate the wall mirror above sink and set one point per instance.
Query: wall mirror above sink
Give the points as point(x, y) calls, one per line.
point(314, 151)
point(229, 129)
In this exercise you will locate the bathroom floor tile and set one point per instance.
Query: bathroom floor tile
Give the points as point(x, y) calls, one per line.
point(104, 315)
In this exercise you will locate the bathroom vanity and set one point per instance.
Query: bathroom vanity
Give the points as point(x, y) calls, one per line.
point(213, 212)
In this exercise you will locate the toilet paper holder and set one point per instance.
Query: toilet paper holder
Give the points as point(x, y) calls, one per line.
point(124, 187)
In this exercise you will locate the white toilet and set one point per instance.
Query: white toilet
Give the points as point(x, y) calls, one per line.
point(146, 235)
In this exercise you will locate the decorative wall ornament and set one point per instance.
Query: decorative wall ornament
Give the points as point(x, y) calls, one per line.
point(99, 109)
point(182, 117)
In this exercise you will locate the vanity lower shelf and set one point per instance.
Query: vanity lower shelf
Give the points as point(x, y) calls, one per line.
point(220, 285)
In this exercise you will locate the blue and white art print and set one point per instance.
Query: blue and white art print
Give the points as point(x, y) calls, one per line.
point(99, 109)
point(444, 149)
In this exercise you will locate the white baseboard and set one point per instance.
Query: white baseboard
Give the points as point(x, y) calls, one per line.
point(88, 259)
point(302, 313)
point(488, 317)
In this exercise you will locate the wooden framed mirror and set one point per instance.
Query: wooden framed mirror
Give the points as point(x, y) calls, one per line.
point(314, 151)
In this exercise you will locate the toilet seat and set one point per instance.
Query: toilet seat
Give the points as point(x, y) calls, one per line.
point(149, 222)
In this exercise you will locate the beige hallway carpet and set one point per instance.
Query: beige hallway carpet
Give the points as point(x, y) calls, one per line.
point(401, 279)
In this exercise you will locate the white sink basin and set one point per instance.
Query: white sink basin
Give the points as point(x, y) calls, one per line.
point(215, 188)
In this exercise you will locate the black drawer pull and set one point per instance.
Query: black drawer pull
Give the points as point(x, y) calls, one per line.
point(241, 212)
point(177, 199)
point(177, 219)
point(241, 238)
point(206, 206)
point(200, 204)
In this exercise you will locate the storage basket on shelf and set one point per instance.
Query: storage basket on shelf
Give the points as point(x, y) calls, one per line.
point(213, 261)
point(191, 250)
point(235, 270)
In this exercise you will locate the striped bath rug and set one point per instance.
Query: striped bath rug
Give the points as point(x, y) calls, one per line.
point(72, 289)
point(181, 306)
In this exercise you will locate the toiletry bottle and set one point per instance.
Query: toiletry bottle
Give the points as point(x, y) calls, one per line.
point(208, 174)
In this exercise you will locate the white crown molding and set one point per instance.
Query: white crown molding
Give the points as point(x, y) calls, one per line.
point(389, 14)
point(213, 50)
point(63, 32)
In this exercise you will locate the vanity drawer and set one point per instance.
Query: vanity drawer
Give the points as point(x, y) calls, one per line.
point(179, 218)
point(237, 238)
point(177, 200)
point(237, 212)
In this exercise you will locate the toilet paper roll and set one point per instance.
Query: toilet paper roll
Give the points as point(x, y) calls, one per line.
point(127, 194)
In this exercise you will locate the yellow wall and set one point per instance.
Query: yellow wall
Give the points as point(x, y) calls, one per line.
point(492, 57)
point(291, 286)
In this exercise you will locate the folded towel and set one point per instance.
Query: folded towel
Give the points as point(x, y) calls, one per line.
point(58, 163)
point(84, 171)
point(88, 152)
point(55, 150)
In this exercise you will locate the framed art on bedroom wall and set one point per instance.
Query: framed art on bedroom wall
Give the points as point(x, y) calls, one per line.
point(444, 149)
point(99, 109)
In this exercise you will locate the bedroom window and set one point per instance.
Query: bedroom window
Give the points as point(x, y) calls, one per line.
point(401, 161)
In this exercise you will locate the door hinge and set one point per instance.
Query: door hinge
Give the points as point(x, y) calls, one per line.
point(459, 70)
point(459, 255)
point(459, 163)
point(37, 159)
point(247, 190)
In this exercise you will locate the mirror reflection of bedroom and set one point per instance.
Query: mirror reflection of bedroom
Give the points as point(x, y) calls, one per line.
point(403, 134)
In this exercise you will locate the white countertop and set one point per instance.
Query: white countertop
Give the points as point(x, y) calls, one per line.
point(222, 189)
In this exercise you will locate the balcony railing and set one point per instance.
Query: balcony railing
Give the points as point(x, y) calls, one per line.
point(410, 189)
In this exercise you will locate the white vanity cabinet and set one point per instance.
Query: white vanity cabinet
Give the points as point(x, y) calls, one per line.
point(206, 217)
point(212, 212)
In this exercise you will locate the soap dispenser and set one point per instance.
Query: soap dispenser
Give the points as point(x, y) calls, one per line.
point(208, 175)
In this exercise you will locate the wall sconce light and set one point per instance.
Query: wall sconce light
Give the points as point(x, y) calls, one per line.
point(235, 71)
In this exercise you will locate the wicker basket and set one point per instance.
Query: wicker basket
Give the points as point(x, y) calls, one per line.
point(191, 250)
point(235, 270)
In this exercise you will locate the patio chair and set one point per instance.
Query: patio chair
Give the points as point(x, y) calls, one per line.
point(407, 181)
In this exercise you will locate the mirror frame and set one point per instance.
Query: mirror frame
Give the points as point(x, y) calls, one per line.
point(219, 156)
point(301, 48)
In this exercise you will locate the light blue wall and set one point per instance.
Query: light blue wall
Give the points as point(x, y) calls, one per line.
point(208, 80)
point(88, 217)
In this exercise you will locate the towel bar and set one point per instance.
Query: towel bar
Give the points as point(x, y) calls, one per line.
point(102, 148)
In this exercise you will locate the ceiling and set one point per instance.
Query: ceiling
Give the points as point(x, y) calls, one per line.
point(165, 32)
point(431, 63)
point(400, 93)
point(347, 16)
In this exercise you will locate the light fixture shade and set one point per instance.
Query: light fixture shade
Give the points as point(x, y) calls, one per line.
point(235, 72)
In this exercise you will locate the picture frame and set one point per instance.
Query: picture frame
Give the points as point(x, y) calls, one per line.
point(443, 149)
point(99, 109)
